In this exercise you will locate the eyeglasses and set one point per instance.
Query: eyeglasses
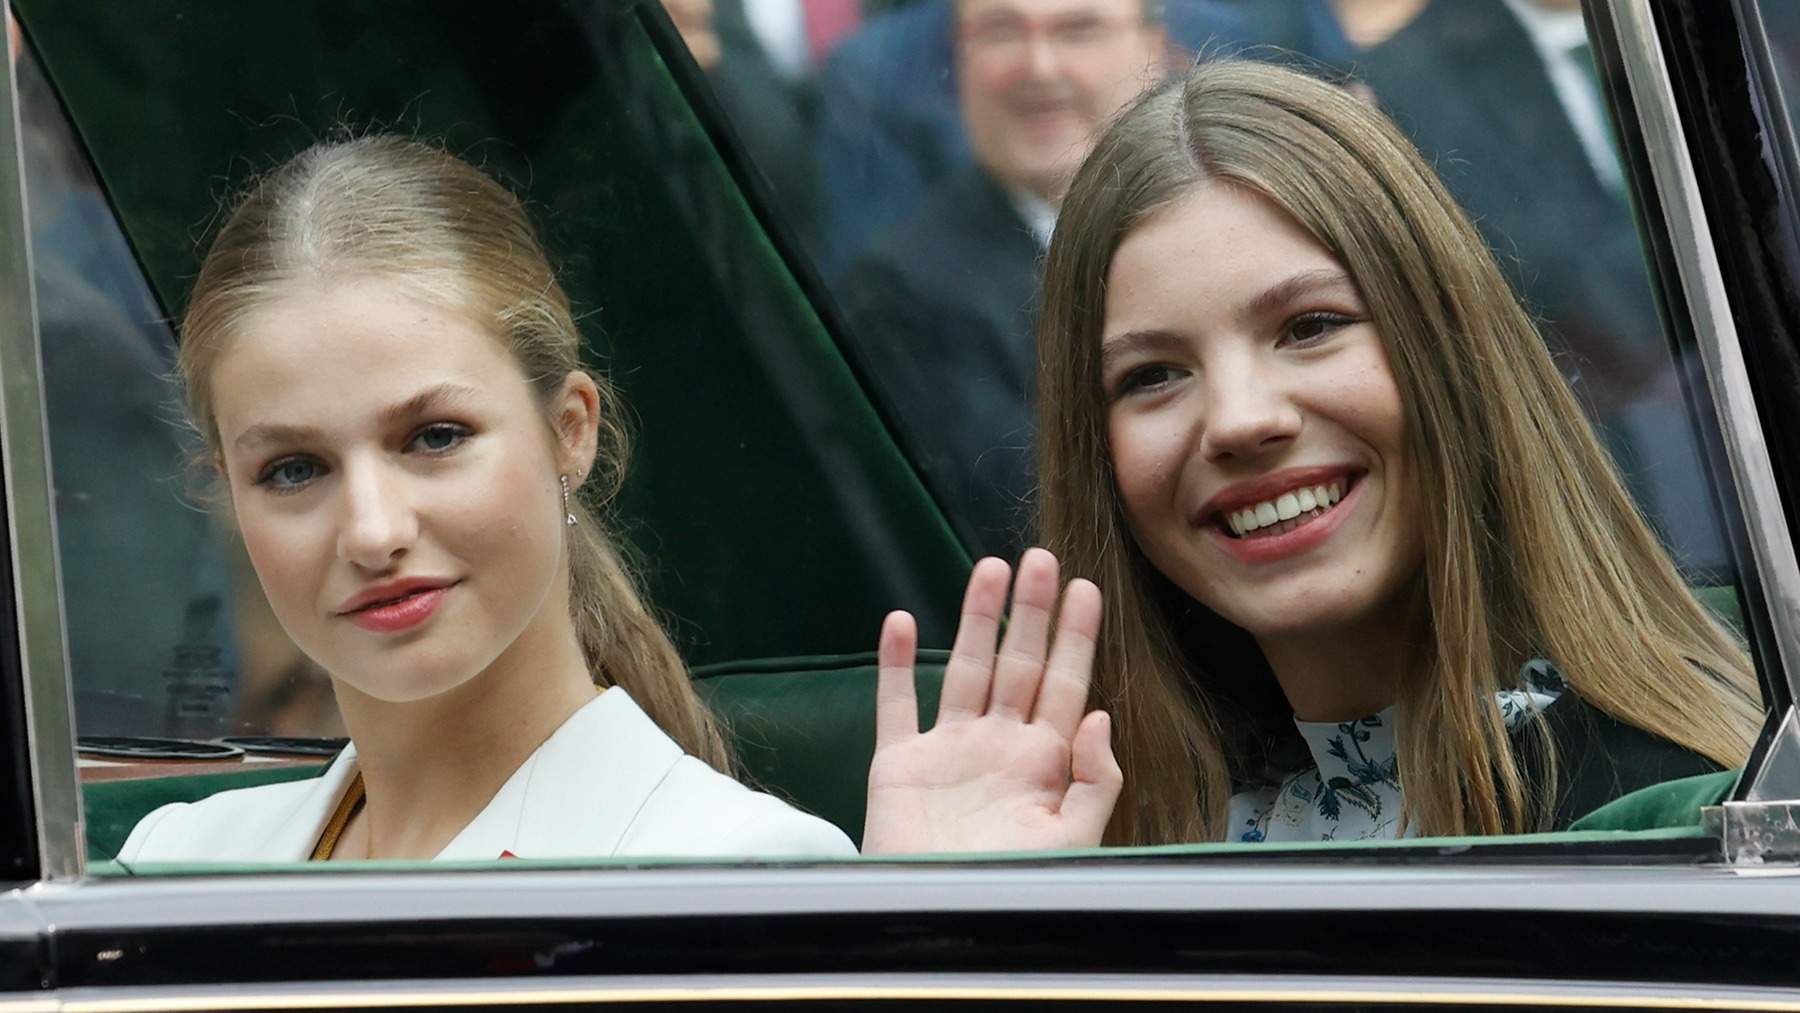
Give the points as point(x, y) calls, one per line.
point(1007, 36)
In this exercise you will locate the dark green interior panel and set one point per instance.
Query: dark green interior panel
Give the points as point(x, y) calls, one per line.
point(770, 510)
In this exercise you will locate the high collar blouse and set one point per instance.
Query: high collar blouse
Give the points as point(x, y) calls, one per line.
point(1350, 791)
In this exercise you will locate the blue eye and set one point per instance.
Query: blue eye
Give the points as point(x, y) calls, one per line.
point(289, 474)
point(440, 437)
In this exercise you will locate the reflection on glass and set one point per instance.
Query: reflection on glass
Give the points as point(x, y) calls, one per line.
point(163, 640)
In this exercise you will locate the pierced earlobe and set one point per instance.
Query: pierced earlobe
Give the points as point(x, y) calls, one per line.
point(568, 514)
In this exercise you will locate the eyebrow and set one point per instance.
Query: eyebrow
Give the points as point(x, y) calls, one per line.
point(436, 397)
point(1278, 295)
point(1132, 342)
point(1271, 299)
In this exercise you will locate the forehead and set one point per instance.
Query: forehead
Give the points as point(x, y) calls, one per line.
point(1212, 252)
point(339, 352)
point(1046, 9)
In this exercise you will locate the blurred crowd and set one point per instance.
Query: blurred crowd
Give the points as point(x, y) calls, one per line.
point(919, 149)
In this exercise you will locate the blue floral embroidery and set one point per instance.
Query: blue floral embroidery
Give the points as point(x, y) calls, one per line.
point(1351, 791)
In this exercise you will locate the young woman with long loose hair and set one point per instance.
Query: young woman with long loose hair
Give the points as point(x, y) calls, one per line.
point(1297, 426)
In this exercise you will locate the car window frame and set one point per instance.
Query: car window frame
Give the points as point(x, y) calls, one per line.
point(1654, 81)
point(40, 787)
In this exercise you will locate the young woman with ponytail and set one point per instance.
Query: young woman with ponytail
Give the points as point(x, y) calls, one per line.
point(386, 376)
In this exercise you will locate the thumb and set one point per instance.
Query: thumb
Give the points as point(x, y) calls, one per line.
point(1097, 781)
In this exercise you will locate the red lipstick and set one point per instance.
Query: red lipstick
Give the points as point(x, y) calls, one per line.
point(396, 605)
point(1269, 548)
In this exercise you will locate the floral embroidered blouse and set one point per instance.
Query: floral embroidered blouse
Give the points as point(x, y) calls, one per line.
point(1351, 789)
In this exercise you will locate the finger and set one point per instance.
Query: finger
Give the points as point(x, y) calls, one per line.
point(1063, 698)
point(971, 665)
point(1097, 781)
point(1021, 663)
point(896, 701)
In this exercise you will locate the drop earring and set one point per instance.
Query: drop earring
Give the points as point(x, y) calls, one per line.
point(568, 514)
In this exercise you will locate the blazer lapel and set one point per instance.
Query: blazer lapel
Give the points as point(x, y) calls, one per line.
point(293, 837)
point(578, 794)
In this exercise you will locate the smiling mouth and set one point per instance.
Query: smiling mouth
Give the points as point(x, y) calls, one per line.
point(1282, 514)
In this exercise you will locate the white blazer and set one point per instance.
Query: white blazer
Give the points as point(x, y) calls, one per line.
point(608, 782)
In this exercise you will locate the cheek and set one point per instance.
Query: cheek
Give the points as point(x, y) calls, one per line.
point(289, 562)
point(1146, 459)
point(503, 515)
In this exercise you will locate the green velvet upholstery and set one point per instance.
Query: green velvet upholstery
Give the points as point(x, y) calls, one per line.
point(112, 808)
point(1722, 600)
point(1661, 806)
point(804, 728)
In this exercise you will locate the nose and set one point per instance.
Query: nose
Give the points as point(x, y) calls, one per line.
point(378, 523)
point(1248, 413)
point(1041, 57)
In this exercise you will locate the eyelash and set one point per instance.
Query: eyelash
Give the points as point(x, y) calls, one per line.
point(1134, 381)
point(266, 478)
point(1332, 322)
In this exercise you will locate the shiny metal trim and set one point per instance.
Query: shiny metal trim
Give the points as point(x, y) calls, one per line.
point(1703, 285)
point(1780, 775)
point(31, 518)
point(938, 988)
point(1756, 833)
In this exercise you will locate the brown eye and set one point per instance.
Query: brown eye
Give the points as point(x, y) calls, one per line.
point(1314, 327)
point(1145, 378)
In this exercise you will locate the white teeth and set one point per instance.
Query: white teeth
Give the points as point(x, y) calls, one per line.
point(1285, 507)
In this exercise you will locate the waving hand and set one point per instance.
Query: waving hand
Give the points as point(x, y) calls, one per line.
point(1015, 760)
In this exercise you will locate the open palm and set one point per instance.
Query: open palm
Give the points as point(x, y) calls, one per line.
point(1015, 761)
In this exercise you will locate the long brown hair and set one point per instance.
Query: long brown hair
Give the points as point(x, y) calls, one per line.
point(1533, 546)
point(391, 207)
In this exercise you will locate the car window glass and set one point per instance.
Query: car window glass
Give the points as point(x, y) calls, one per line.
point(796, 476)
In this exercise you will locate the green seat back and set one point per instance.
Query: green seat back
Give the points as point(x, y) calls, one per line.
point(112, 808)
point(1669, 804)
point(804, 728)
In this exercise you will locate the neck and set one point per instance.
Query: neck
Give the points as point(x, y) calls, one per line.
point(1346, 673)
point(429, 767)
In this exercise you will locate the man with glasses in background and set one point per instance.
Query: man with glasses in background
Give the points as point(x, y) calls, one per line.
point(941, 304)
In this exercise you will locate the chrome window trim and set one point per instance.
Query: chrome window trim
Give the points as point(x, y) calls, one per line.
point(929, 986)
point(1703, 287)
point(31, 519)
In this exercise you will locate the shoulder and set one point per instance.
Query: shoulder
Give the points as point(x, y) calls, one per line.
point(963, 214)
point(1599, 757)
point(649, 799)
point(266, 823)
point(698, 811)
